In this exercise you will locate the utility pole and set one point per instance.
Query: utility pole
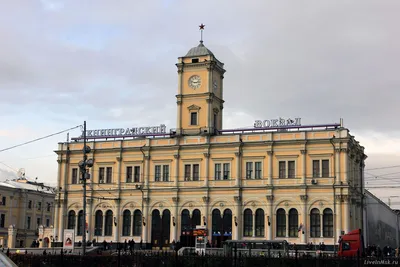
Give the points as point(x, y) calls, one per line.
point(83, 165)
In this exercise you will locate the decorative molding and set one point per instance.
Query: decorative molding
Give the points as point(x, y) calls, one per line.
point(270, 197)
point(59, 161)
point(89, 201)
point(119, 159)
point(337, 150)
point(179, 102)
point(209, 100)
point(270, 152)
point(286, 204)
point(303, 197)
point(221, 204)
point(339, 198)
point(146, 200)
point(206, 155)
point(237, 198)
point(194, 107)
point(238, 154)
point(221, 107)
point(344, 150)
point(206, 199)
point(176, 156)
point(345, 198)
point(161, 205)
point(216, 110)
point(303, 151)
point(147, 157)
point(321, 204)
point(175, 200)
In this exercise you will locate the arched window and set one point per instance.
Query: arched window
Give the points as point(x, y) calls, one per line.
point(216, 222)
point(98, 223)
point(137, 223)
point(293, 223)
point(248, 222)
point(71, 219)
point(227, 223)
point(196, 218)
point(109, 222)
point(315, 223)
point(126, 223)
point(328, 223)
point(185, 221)
point(260, 222)
point(80, 223)
point(280, 223)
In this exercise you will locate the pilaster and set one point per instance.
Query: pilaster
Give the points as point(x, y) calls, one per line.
point(207, 171)
point(176, 181)
point(270, 201)
point(303, 233)
point(237, 228)
point(238, 169)
point(304, 161)
point(270, 162)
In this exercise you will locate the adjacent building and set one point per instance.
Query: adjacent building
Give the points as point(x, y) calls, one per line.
point(25, 205)
point(277, 180)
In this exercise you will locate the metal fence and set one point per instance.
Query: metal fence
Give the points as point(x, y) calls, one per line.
point(152, 259)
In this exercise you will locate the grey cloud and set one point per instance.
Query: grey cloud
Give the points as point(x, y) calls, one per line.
point(5, 174)
point(321, 61)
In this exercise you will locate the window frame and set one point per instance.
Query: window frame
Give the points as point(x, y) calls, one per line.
point(194, 115)
point(162, 172)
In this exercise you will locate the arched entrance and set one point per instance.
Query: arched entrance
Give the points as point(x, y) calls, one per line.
point(160, 228)
point(221, 227)
point(187, 225)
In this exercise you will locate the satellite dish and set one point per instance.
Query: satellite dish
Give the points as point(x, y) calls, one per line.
point(21, 173)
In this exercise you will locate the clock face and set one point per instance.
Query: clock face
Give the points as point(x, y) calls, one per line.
point(215, 85)
point(195, 82)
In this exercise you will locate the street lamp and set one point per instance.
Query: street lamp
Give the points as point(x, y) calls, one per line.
point(83, 166)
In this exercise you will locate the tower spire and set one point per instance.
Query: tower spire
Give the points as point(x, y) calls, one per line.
point(201, 27)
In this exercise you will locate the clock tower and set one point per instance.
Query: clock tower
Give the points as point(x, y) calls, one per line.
point(200, 92)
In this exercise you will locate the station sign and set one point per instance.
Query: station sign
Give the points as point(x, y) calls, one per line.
point(276, 123)
point(200, 232)
point(122, 132)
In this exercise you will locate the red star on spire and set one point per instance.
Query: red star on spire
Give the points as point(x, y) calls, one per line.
point(202, 26)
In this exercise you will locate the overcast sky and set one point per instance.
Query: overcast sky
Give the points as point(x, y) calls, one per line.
point(112, 63)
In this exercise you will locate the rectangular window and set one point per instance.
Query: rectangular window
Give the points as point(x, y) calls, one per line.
point(74, 179)
point(4, 201)
point(48, 207)
point(226, 171)
point(28, 223)
point(315, 227)
point(193, 118)
point(39, 205)
point(47, 222)
point(38, 221)
point(2, 220)
point(291, 169)
point(109, 175)
point(196, 172)
point(136, 174)
point(217, 174)
point(188, 168)
point(249, 170)
point(257, 173)
point(129, 174)
point(101, 175)
point(30, 204)
point(157, 173)
point(282, 169)
point(315, 165)
point(165, 173)
point(325, 168)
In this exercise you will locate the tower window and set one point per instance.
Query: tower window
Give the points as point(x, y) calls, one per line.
point(193, 118)
point(195, 60)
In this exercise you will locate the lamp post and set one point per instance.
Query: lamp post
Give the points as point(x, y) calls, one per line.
point(83, 166)
point(139, 187)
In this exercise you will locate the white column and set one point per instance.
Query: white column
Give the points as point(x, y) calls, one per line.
point(236, 230)
point(175, 215)
point(287, 224)
point(338, 217)
point(207, 169)
point(254, 224)
point(270, 162)
point(270, 199)
point(304, 169)
point(176, 181)
point(147, 172)
point(337, 165)
point(238, 169)
point(303, 237)
point(322, 224)
point(346, 214)
point(147, 219)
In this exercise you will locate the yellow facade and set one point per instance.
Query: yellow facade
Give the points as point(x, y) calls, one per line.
point(300, 185)
point(25, 206)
